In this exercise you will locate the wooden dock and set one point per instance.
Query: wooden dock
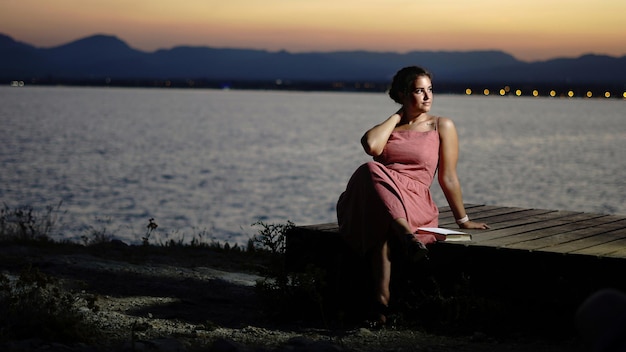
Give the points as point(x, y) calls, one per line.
point(533, 258)
point(552, 231)
point(542, 230)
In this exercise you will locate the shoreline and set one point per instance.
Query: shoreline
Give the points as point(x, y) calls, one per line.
point(499, 89)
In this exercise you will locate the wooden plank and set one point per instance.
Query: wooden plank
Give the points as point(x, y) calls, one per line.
point(497, 235)
point(605, 244)
point(445, 213)
point(511, 217)
point(491, 215)
point(557, 239)
point(578, 240)
point(503, 219)
point(621, 252)
point(331, 227)
point(550, 228)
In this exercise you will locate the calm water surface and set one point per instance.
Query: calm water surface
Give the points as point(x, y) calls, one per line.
point(214, 162)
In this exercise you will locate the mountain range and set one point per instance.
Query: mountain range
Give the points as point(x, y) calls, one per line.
point(101, 57)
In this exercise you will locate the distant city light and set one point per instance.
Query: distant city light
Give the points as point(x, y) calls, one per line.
point(524, 91)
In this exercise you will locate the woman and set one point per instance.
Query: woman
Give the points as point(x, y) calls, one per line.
point(387, 199)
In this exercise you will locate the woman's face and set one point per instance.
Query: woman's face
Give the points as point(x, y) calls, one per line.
point(420, 98)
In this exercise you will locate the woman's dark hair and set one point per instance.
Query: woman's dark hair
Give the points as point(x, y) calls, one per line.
point(403, 81)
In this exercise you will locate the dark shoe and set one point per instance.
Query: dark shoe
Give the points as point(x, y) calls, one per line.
point(378, 317)
point(415, 250)
point(375, 325)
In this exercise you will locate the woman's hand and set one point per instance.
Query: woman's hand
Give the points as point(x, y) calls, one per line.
point(474, 225)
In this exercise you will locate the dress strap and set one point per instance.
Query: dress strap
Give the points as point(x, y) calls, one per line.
point(436, 123)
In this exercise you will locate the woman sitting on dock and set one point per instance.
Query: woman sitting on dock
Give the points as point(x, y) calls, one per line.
point(387, 199)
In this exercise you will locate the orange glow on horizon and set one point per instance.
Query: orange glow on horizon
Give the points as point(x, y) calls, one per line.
point(533, 30)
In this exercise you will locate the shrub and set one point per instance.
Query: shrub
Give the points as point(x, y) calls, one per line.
point(287, 295)
point(272, 237)
point(34, 305)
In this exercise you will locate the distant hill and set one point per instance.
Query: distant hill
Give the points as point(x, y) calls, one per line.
point(101, 57)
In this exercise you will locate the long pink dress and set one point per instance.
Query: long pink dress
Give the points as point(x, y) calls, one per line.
point(395, 185)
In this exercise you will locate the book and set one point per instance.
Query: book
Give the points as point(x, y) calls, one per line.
point(442, 234)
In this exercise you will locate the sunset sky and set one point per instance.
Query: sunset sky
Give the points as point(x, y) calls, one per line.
point(530, 30)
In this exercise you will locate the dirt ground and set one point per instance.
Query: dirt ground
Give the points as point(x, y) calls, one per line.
point(183, 299)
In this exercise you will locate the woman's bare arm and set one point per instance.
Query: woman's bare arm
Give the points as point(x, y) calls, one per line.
point(448, 178)
point(375, 139)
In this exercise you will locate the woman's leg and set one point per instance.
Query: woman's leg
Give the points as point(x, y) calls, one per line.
point(381, 267)
point(381, 270)
point(381, 263)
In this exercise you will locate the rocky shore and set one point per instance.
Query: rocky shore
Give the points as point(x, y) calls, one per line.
point(199, 299)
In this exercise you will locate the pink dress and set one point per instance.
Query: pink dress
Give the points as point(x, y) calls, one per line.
point(395, 185)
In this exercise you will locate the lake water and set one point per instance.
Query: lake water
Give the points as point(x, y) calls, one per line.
point(212, 162)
